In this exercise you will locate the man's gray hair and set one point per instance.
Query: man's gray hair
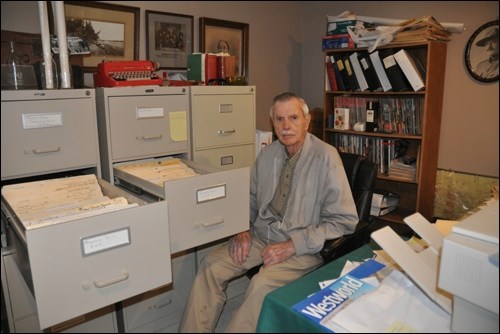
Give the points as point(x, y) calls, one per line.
point(286, 97)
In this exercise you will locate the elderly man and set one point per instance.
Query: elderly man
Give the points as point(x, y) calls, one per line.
point(299, 197)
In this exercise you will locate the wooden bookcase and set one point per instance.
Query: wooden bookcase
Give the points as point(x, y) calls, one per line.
point(417, 195)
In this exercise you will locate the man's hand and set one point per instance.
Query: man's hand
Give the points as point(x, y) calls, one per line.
point(239, 247)
point(277, 253)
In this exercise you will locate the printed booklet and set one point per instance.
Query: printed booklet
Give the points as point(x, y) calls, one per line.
point(324, 304)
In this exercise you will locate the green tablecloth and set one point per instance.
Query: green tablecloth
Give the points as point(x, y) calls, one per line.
point(277, 315)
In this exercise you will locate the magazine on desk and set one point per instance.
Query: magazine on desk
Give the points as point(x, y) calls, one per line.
point(324, 304)
point(376, 298)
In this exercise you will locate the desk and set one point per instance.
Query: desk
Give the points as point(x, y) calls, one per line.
point(277, 315)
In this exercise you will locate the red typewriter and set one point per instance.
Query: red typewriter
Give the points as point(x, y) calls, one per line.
point(126, 73)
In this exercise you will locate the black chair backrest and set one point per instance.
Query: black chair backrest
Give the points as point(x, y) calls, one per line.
point(362, 174)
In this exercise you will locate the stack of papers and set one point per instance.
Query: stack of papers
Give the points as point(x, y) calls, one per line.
point(383, 203)
point(48, 202)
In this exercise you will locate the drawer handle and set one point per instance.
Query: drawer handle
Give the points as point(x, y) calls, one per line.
point(226, 132)
point(149, 137)
point(217, 222)
point(157, 307)
point(105, 283)
point(37, 151)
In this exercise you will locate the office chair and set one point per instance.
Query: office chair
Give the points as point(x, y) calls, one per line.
point(362, 174)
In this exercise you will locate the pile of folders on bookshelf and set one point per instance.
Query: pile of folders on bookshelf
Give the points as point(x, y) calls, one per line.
point(382, 70)
point(383, 202)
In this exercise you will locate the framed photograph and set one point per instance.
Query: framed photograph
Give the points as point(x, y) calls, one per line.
point(481, 53)
point(111, 31)
point(226, 36)
point(169, 39)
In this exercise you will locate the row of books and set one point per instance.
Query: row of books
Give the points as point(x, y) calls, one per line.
point(203, 67)
point(396, 115)
point(387, 153)
point(382, 70)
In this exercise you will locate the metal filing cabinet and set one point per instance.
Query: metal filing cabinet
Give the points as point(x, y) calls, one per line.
point(223, 136)
point(223, 125)
point(145, 126)
point(50, 135)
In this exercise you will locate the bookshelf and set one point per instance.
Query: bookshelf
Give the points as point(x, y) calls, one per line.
point(405, 118)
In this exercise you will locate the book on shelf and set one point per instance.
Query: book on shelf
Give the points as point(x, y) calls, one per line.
point(330, 73)
point(339, 64)
point(338, 75)
point(341, 118)
point(374, 84)
point(358, 72)
point(337, 41)
point(351, 77)
point(380, 70)
point(411, 69)
point(396, 76)
point(322, 306)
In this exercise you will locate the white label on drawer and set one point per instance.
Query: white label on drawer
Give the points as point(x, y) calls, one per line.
point(149, 113)
point(210, 194)
point(42, 120)
point(225, 107)
point(105, 241)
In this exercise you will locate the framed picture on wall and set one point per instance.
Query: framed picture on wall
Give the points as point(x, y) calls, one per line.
point(228, 37)
point(111, 31)
point(481, 53)
point(169, 39)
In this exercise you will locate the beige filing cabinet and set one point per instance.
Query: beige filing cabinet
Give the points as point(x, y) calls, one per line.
point(223, 136)
point(147, 126)
point(223, 125)
point(85, 265)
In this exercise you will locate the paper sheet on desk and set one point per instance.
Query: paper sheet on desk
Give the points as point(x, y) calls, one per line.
point(396, 306)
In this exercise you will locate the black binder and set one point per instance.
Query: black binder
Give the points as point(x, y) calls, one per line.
point(394, 73)
point(369, 72)
point(351, 76)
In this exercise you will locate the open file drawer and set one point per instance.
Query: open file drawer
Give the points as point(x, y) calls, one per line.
point(81, 265)
point(202, 208)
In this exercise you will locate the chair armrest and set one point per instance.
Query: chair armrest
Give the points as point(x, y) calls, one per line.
point(335, 248)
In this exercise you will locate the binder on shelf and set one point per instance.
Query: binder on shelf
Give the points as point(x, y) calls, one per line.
point(380, 70)
point(371, 77)
point(394, 73)
point(410, 68)
point(351, 77)
point(339, 64)
point(358, 72)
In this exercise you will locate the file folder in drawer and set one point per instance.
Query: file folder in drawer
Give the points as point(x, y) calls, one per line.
point(77, 265)
point(202, 208)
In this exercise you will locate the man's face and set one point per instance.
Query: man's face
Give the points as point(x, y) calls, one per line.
point(492, 48)
point(290, 124)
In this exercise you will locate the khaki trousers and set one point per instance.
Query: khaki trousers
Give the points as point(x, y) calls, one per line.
point(208, 296)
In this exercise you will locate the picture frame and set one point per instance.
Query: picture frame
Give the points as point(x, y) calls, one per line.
point(169, 39)
point(236, 34)
point(113, 32)
point(480, 47)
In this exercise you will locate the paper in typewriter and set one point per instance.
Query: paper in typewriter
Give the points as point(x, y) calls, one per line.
point(54, 201)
